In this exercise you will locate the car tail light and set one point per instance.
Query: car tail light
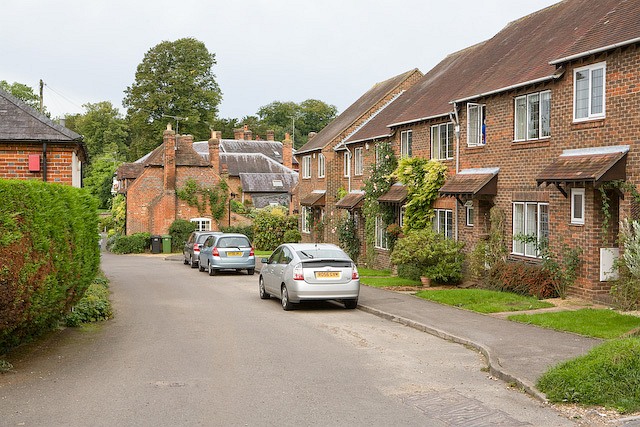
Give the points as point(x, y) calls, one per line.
point(196, 248)
point(297, 272)
point(215, 252)
point(251, 253)
point(354, 272)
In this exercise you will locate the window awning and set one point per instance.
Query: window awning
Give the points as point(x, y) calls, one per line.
point(396, 194)
point(470, 183)
point(353, 200)
point(586, 166)
point(315, 198)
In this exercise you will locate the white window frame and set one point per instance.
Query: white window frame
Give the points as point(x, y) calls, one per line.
point(304, 219)
point(346, 164)
point(358, 163)
point(406, 141)
point(535, 226)
point(321, 166)
point(590, 114)
point(442, 141)
point(306, 167)
point(523, 116)
point(202, 224)
point(469, 213)
point(475, 130)
point(443, 222)
point(382, 239)
point(577, 193)
point(76, 171)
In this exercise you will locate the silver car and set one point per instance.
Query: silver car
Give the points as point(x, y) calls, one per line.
point(309, 271)
point(191, 250)
point(227, 251)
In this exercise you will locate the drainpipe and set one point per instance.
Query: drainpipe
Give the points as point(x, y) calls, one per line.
point(44, 161)
point(350, 172)
point(456, 125)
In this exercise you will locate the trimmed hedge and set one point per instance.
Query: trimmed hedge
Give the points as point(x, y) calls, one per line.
point(520, 278)
point(136, 243)
point(49, 255)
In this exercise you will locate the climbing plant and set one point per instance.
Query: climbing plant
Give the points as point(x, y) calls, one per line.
point(618, 185)
point(348, 236)
point(215, 198)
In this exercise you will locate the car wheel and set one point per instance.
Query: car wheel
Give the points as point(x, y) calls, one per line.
point(251, 271)
point(350, 303)
point(212, 271)
point(193, 263)
point(200, 266)
point(186, 261)
point(263, 292)
point(286, 304)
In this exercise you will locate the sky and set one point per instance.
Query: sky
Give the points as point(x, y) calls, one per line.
point(87, 51)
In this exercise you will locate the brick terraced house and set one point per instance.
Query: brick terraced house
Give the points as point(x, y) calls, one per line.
point(541, 121)
point(34, 147)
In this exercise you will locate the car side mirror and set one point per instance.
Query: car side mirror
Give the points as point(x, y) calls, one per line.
point(264, 260)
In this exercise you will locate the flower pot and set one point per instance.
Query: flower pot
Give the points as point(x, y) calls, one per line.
point(426, 281)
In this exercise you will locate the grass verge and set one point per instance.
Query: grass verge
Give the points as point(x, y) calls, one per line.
point(483, 301)
point(387, 282)
point(368, 272)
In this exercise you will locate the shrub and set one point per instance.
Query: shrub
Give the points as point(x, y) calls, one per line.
point(247, 230)
point(270, 224)
point(180, 230)
point(410, 271)
point(93, 306)
point(520, 278)
point(134, 244)
point(439, 258)
point(625, 291)
point(348, 237)
point(292, 236)
point(48, 255)
point(238, 207)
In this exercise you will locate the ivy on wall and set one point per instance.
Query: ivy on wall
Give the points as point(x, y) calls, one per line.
point(214, 198)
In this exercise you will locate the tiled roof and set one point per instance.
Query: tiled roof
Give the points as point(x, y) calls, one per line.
point(237, 163)
point(185, 155)
point(315, 198)
point(520, 54)
point(396, 194)
point(471, 182)
point(355, 199)
point(20, 122)
point(129, 170)
point(261, 200)
point(587, 165)
point(353, 113)
point(268, 182)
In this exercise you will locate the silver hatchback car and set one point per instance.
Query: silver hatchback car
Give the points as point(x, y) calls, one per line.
point(309, 271)
point(227, 251)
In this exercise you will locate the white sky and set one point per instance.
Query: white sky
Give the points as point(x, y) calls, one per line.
point(266, 50)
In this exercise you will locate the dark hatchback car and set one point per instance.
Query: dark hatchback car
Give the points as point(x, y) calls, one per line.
point(191, 249)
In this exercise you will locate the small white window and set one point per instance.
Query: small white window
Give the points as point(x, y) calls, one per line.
point(469, 213)
point(305, 219)
point(577, 206)
point(202, 224)
point(589, 92)
point(277, 183)
point(347, 164)
point(358, 161)
point(406, 138)
point(382, 240)
point(443, 222)
point(321, 170)
point(533, 116)
point(442, 141)
point(306, 167)
point(476, 129)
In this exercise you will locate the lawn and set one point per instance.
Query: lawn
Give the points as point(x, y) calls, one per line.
point(384, 282)
point(591, 322)
point(368, 272)
point(483, 301)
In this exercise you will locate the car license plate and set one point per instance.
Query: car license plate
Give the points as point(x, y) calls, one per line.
point(327, 274)
point(234, 253)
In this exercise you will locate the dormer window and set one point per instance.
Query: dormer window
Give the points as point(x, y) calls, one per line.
point(277, 183)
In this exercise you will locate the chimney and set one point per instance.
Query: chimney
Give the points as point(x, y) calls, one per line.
point(287, 151)
point(218, 135)
point(311, 135)
point(214, 152)
point(270, 135)
point(238, 134)
point(247, 133)
point(170, 148)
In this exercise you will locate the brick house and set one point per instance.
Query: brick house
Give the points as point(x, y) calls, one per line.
point(34, 147)
point(540, 121)
point(253, 170)
point(328, 168)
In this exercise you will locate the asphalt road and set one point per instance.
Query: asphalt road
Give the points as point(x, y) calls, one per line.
point(186, 349)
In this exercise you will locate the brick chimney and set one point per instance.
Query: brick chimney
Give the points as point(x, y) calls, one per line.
point(271, 135)
point(248, 135)
point(287, 151)
point(311, 135)
point(170, 148)
point(238, 134)
point(214, 152)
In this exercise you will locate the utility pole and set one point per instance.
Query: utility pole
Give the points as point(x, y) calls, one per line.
point(41, 96)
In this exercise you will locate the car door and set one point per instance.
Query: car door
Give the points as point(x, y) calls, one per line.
point(268, 271)
point(280, 270)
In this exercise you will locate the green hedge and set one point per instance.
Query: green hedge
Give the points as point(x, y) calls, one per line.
point(49, 255)
point(136, 243)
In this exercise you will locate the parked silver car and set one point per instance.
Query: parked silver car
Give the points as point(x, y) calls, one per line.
point(227, 251)
point(191, 249)
point(309, 271)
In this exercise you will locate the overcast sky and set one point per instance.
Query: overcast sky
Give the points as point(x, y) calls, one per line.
point(87, 51)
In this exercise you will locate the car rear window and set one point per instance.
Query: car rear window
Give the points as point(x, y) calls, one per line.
point(233, 242)
point(322, 253)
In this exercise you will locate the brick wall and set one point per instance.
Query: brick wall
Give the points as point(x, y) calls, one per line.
point(14, 162)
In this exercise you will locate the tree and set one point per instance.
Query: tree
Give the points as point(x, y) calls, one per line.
point(22, 92)
point(173, 80)
point(99, 179)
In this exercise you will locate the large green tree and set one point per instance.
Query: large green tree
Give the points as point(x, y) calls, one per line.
point(173, 83)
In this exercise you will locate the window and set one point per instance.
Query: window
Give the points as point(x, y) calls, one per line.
point(469, 213)
point(382, 240)
point(588, 92)
point(321, 166)
point(530, 228)
point(405, 143)
point(305, 219)
point(76, 171)
point(476, 129)
point(357, 161)
point(443, 222)
point(577, 206)
point(347, 163)
point(533, 116)
point(306, 167)
point(202, 224)
point(442, 141)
